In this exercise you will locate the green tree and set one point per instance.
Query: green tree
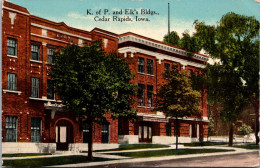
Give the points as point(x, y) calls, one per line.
point(190, 43)
point(174, 38)
point(244, 130)
point(233, 80)
point(177, 99)
point(91, 83)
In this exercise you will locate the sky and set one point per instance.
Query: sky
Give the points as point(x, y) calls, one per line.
point(182, 13)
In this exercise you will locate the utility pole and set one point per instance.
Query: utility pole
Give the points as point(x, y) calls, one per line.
point(169, 23)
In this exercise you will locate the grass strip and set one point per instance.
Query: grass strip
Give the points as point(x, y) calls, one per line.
point(50, 161)
point(249, 146)
point(24, 154)
point(204, 143)
point(134, 146)
point(168, 152)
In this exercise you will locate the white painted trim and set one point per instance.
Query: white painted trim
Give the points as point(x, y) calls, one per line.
point(205, 118)
point(161, 56)
point(159, 46)
point(106, 34)
point(13, 56)
point(37, 35)
point(60, 31)
point(12, 91)
point(36, 61)
point(42, 99)
point(4, 7)
point(163, 116)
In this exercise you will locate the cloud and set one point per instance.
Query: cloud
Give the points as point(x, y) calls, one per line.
point(75, 15)
point(257, 1)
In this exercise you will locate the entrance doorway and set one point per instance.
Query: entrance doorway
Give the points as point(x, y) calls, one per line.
point(64, 134)
point(145, 132)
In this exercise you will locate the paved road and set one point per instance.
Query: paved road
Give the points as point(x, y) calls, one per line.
point(236, 160)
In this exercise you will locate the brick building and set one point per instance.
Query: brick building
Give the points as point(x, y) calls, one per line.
point(33, 119)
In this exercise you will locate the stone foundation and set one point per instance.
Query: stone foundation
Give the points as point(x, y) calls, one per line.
point(128, 139)
point(28, 147)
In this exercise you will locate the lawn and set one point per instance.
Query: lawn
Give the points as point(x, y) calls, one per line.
point(24, 154)
point(205, 143)
point(134, 146)
point(249, 146)
point(50, 161)
point(169, 152)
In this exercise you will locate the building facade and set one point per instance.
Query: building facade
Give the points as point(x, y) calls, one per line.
point(33, 119)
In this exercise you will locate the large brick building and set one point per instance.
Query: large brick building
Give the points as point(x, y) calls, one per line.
point(33, 119)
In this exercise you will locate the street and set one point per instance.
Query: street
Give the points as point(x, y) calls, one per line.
point(236, 160)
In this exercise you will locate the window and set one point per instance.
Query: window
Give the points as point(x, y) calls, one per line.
point(35, 87)
point(11, 81)
point(196, 73)
point(141, 65)
point(174, 66)
point(35, 52)
point(51, 52)
point(149, 66)
point(11, 46)
point(85, 132)
point(168, 129)
point(167, 67)
point(36, 129)
point(189, 71)
point(105, 133)
point(11, 128)
point(140, 95)
point(149, 96)
point(50, 89)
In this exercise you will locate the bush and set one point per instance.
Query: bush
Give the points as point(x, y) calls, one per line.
point(244, 130)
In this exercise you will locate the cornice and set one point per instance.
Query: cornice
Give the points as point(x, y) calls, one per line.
point(160, 46)
point(159, 56)
point(60, 31)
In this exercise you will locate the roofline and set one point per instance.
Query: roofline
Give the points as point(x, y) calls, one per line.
point(60, 24)
point(157, 41)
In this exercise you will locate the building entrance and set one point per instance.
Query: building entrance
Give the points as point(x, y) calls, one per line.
point(145, 132)
point(64, 134)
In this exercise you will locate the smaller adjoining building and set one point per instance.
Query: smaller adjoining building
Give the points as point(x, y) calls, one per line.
point(33, 117)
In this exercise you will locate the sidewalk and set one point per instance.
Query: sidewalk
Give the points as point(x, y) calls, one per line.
point(162, 158)
point(122, 159)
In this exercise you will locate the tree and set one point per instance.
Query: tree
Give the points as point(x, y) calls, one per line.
point(174, 38)
point(190, 43)
point(91, 83)
point(177, 99)
point(234, 79)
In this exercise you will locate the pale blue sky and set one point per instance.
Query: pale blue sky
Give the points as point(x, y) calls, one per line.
point(183, 13)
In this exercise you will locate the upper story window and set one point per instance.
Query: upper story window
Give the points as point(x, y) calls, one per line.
point(149, 66)
point(141, 65)
point(35, 52)
point(174, 66)
point(196, 73)
point(149, 96)
point(35, 87)
point(189, 71)
point(167, 67)
point(50, 89)
point(51, 52)
point(11, 81)
point(140, 95)
point(11, 46)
